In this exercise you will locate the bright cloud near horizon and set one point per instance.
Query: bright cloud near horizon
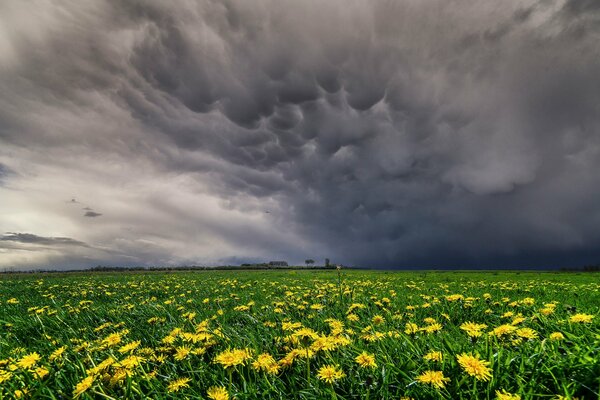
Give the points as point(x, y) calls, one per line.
point(379, 133)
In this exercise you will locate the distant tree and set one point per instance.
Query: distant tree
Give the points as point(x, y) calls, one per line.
point(327, 262)
point(309, 262)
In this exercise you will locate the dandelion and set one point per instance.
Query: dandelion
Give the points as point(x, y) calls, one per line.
point(40, 372)
point(217, 393)
point(178, 384)
point(433, 356)
point(377, 320)
point(266, 362)
point(5, 376)
point(112, 340)
point(330, 374)
point(182, 352)
point(581, 318)
point(29, 360)
point(365, 360)
point(556, 336)
point(433, 328)
point(57, 353)
point(231, 358)
point(527, 333)
point(434, 378)
point(129, 347)
point(474, 366)
point(503, 331)
point(131, 362)
point(504, 395)
point(82, 386)
point(411, 328)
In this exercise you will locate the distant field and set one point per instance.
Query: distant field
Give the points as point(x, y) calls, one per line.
point(300, 334)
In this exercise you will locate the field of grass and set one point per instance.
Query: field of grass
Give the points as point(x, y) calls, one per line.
point(300, 335)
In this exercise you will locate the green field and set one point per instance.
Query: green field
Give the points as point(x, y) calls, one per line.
point(300, 334)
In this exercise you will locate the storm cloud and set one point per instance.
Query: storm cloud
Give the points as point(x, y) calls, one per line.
point(380, 134)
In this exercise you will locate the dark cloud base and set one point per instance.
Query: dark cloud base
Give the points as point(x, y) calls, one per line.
point(383, 134)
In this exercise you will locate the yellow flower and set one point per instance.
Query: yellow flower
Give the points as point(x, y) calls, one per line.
point(330, 373)
point(527, 333)
point(129, 347)
point(231, 358)
point(352, 317)
point(581, 318)
point(266, 362)
point(377, 320)
point(217, 393)
point(29, 360)
point(112, 339)
point(5, 376)
point(433, 328)
point(504, 395)
point(434, 378)
point(557, 336)
point(503, 330)
point(474, 366)
point(473, 329)
point(411, 328)
point(57, 353)
point(131, 362)
point(40, 372)
point(433, 356)
point(365, 360)
point(178, 384)
point(82, 386)
point(182, 352)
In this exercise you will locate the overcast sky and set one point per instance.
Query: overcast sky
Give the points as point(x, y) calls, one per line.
point(403, 133)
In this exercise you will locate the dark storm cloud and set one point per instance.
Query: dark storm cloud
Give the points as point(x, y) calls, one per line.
point(92, 214)
point(401, 133)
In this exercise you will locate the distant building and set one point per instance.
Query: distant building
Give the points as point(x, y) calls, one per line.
point(278, 264)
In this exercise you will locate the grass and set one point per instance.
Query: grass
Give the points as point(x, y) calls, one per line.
point(297, 334)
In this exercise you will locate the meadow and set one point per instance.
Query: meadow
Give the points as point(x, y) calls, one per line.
point(300, 335)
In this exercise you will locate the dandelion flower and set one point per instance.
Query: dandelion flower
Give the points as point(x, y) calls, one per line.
point(217, 393)
point(474, 366)
point(527, 333)
point(29, 360)
point(473, 329)
point(365, 360)
point(82, 386)
point(504, 395)
point(433, 356)
point(556, 336)
point(434, 378)
point(266, 362)
point(178, 384)
point(231, 358)
point(330, 373)
point(129, 347)
point(40, 372)
point(581, 318)
point(57, 353)
point(182, 352)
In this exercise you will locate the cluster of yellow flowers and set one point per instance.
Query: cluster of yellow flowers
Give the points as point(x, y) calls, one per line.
point(183, 333)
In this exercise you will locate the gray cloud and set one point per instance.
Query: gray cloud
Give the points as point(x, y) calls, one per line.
point(382, 134)
point(29, 238)
point(91, 214)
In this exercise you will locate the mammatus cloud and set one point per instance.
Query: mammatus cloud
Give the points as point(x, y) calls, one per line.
point(383, 134)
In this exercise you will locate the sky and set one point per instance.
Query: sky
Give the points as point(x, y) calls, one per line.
point(381, 134)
